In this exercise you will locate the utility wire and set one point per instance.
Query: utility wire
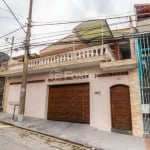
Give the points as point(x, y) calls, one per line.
point(74, 22)
point(9, 12)
point(98, 27)
point(87, 29)
point(125, 37)
point(10, 32)
point(83, 20)
point(14, 15)
point(6, 18)
point(84, 29)
point(9, 45)
point(105, 38)
point(54, 40)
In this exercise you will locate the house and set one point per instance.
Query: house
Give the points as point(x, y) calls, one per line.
point(88, 77)
point(143, 55)
point(3, 62)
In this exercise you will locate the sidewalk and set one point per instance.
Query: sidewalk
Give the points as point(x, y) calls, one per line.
point(79, 133)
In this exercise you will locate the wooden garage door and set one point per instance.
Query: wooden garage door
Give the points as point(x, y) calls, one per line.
point(120, 107)
point(69, 103)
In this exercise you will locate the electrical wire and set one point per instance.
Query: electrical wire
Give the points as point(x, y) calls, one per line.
point(54, 40)
point(81, 21)
point(6, 18)
point(125, 37)
point(96, 27)
point(10, 32)
point(85, 29)
point(14, 15)
point(112, 24)
point(133, 35)
point(9, 12)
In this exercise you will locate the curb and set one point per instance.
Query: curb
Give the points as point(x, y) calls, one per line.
point(44, 134)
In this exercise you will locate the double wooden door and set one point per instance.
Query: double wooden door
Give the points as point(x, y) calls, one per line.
point(69, 103)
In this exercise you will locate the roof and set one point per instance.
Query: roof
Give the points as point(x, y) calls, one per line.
point(3, 57)
point(70, 42)
point(94, 31)
point(121, 32)
point(142, 11)
point(20, 57)
point(86, 34)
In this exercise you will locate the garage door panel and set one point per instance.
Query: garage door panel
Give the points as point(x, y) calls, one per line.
point(69, 103)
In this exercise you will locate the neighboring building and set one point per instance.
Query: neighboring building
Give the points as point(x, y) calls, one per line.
point(85, 77)
point(3, 63)
point(143, 51)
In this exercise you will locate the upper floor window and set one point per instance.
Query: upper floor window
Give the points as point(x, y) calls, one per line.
point(124, 50)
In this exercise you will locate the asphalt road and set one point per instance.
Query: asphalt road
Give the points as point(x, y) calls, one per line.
point(12, 138)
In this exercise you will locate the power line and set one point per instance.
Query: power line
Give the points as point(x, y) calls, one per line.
point(6, 18)
point(78, 21)
point(15, 47)
point(82, 21)
point(88, 27)
point(125, 37)
point(105, 38)
point(84, 29)
point(49, 36)
point(70, 22)
point(60, 34)
point(15, 43)
point(9, 12)
point(10, 32)
point(52, 23)
point(96, 27)
point(106, 17)
point(14, 15)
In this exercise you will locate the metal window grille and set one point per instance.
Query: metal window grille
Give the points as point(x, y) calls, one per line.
point(143, 54)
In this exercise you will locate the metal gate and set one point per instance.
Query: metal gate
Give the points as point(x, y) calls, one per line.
point(143, 52)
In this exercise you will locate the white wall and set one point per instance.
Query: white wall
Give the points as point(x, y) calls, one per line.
point(13, 96)
point(100, 109)
point(35, 100)
point(37, 97)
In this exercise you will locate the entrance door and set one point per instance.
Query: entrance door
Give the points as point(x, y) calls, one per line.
point(69, 103)
point(120, 107)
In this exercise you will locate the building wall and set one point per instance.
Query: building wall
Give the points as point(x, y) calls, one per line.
point(35, 99)
point(143, 25)
point(37, 95)
point(136, 109)
point(100, 104)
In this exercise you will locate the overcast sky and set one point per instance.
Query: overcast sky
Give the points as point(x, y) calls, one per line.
point(57, 11)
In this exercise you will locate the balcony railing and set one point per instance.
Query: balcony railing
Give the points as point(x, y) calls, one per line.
point(90, 52)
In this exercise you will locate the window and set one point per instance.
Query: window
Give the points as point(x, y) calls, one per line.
point(125, 51)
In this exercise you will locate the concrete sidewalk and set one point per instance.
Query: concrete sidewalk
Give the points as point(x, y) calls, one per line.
point(79, 133)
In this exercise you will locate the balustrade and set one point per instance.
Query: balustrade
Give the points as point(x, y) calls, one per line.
point(68, 56)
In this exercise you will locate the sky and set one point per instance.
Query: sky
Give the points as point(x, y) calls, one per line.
point(55, 11)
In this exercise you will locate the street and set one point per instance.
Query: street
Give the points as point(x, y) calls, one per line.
point(12, 138)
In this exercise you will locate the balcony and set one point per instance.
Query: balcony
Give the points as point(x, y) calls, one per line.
point(69, 60)
point(118, 66)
